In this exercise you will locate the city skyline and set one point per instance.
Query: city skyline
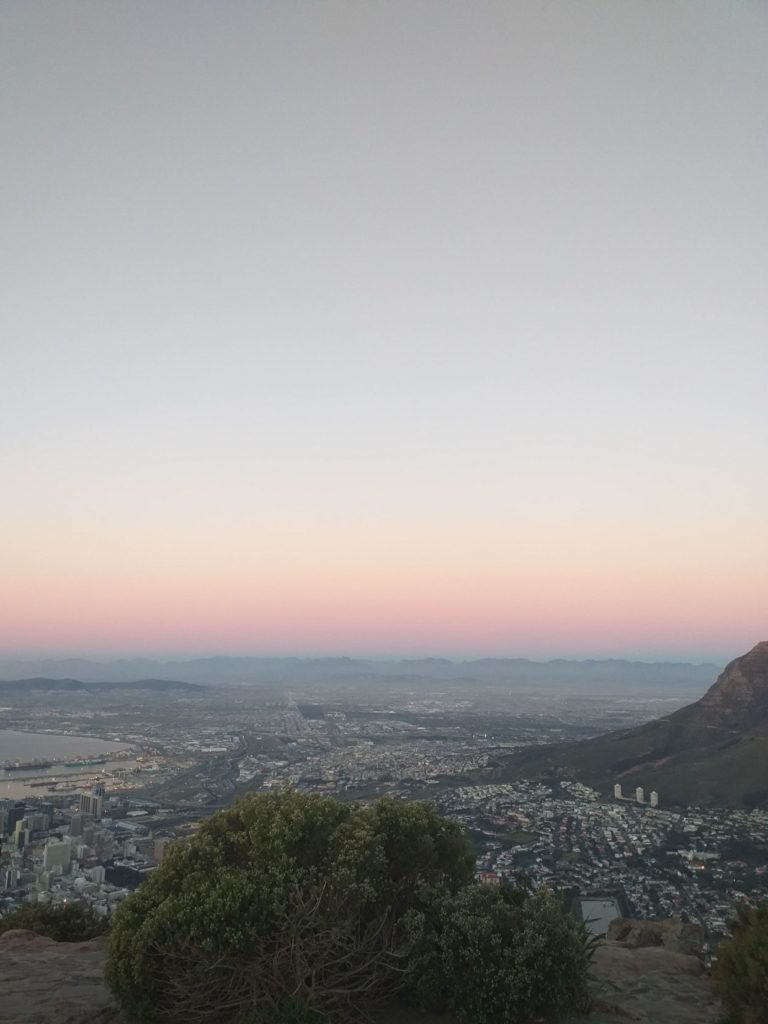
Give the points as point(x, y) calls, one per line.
point(384, 330)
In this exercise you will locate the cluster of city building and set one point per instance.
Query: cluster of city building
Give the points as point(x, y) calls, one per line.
point(629, 855)
point(94, 851)
point(653, 862)
point(626, 854)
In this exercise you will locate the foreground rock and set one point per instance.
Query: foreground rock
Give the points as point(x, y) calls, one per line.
point(651, 986)
point(676, 936)
point(652, 972)
point(46, 982)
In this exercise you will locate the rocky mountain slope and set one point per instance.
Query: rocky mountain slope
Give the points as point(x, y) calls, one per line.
point(712, 752)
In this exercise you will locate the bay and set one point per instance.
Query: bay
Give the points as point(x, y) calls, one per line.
point(29, 746)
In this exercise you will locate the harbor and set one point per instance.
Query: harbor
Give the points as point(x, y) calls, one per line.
point(65, 764)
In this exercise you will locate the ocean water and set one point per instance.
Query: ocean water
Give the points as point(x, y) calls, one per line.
point(26, 746)
point(29, 746)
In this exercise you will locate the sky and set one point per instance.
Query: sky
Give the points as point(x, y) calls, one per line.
point(390, 328)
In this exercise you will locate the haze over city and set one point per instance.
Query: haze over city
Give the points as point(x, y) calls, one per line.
point(356, 329)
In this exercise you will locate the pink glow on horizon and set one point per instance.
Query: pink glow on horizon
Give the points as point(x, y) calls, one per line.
point(422, 584)
point(388, 608)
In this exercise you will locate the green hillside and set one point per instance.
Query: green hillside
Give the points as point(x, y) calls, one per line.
point(713, 752)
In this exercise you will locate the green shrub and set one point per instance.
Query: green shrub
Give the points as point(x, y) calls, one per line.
point(284, 909)
point(500, 955)
point(741, 969)
point(72, 922)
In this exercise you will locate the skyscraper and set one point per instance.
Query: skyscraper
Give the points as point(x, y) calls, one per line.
point(15, 814)
point(93, 802)
point(57, 852)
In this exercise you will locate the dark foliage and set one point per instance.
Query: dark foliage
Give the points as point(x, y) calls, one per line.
point(294, 909)
point(70, 923)
point(741, 969)
point(500, 956)
point(284, 908)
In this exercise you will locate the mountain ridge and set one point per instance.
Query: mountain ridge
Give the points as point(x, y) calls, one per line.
point(46, 684)
point(714, 751)
point(608, 675)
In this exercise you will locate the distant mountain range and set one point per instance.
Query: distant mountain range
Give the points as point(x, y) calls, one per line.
point(611, 676)
point(46, 685)
point(714, 751)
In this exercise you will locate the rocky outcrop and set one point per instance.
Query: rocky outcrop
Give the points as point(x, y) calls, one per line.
point(47, 982)
point(675, 936)
point(738, 700)
point(652, 972)
point(650, 985)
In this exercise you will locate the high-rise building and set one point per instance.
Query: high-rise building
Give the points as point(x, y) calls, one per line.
point(14, 815)
point(5, 806)
point(57, 853)
point(640, 795)
point(617, 791)
point(38, 822)
point(654, 798)
point(21, 833)
point(76, 824)
point(104, 844)
point(93, 802)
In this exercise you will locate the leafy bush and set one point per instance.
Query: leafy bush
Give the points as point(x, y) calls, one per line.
point(72, 922)
point(284, 909)
point(500, 956)
point(741, 969)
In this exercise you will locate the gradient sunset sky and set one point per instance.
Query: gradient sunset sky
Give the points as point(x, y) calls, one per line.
point(384, 327)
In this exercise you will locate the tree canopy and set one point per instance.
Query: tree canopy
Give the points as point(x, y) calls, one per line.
point(296, 909)
point(284, 899)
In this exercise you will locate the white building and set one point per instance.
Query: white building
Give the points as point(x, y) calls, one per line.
point(640, 795)
point(57, 853)
point(617, 791)
point(654, 798)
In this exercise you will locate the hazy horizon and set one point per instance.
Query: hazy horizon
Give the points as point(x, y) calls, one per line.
point(109, 657)
point(408, 328)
